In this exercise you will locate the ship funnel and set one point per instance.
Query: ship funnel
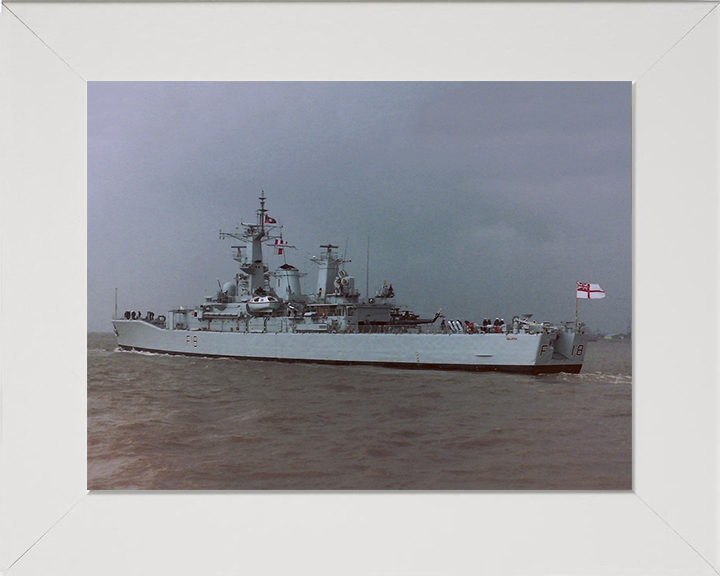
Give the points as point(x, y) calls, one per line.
point(287, 282)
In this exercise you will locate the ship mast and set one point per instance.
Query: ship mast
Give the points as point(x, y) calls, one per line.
point(329, 266)
point(254, 234)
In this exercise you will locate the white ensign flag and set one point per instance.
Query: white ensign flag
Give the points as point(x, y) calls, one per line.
point(589, 291)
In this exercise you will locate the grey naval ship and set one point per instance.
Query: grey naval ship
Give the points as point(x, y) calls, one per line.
point(264, 315)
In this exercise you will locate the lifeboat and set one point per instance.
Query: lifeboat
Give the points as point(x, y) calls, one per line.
point(263, 304)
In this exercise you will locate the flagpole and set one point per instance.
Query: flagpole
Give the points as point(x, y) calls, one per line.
point(576, 308)
point(367, 271)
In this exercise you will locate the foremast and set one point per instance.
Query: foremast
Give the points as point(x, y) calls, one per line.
point(253, 265)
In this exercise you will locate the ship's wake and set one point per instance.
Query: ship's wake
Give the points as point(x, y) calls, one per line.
point(597, 378)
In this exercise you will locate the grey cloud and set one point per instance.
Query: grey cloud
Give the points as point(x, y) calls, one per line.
point(495, 196)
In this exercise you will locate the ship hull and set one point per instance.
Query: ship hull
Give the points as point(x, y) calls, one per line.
point(520, 353)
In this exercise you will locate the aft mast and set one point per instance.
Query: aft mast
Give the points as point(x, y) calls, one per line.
point(329, 263)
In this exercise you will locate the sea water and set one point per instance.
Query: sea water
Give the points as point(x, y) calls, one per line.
point(160, 422)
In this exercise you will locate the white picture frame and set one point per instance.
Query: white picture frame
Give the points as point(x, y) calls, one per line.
point(668, 524)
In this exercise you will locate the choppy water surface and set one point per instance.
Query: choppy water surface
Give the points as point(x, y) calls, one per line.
point(180, 423)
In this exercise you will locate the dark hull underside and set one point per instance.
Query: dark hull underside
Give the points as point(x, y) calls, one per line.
point(535, 370)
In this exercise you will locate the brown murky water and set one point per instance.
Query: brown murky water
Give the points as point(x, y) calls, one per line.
point(159, 422)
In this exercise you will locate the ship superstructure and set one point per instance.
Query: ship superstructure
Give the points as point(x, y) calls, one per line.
point(265, 315)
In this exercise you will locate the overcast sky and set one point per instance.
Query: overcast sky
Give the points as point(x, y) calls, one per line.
point(484, 199)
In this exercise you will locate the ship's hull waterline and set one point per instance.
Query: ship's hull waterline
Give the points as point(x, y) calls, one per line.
point(539, 353)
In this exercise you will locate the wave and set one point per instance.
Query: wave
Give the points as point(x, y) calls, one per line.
point(597, 378)
point(100, 352)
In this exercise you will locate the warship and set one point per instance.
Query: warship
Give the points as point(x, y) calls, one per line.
point(265, 315)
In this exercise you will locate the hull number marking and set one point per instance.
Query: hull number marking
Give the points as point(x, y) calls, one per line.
point(191, 340)
point(577, 350)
